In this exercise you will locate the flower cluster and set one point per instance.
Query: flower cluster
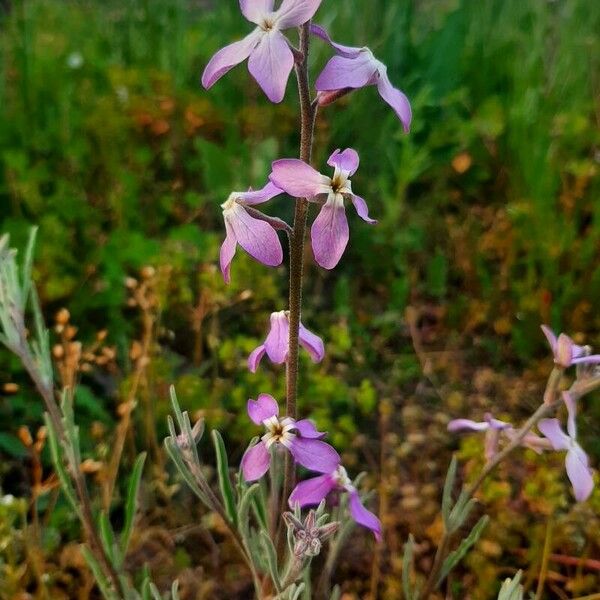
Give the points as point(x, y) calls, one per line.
point(271, 57)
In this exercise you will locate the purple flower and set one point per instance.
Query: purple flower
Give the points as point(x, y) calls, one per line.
point(329, 232)
point(566, 351)
point(494, 429)
point(258, 238)
point(301, 438)
point(354, 68)
point(312, 491)
point(270, 59)
point(576, 460)
point(276, 344)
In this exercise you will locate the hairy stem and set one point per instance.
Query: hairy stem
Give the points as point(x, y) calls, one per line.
point(551, 402)
point(307, 121)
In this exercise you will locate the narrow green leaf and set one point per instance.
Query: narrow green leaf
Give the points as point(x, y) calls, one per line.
point(99, 576)
point(175, 590)
point(512, 589)
point(271, 556)
point(447, 495)
point(225, 486)
point(131, 503)
point(155, 593)
point(455, 557)
point(176, 407)
point(407, 561)
point(107, 535)
point(336, 593)
point(243, 509)
point(175, 456)
point(27, 266)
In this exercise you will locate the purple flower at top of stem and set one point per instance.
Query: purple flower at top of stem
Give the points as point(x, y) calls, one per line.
point(354, 68)
point(301, 438)
point(270, 58)
point(276, 344)
point(312, 491)
point(329, 232)
point(576, 460)
point(494, 429)
point(567, 352)
point(257, 237)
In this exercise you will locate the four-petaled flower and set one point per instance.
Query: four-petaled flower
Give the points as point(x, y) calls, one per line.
point(270, 59)
point(312, 491)
point(329, 232)
point(257, 237)
point(567, 352)
point(276, 345)
point(354, 68)
point(494, 428)
point(301, 438)
point(576, 460)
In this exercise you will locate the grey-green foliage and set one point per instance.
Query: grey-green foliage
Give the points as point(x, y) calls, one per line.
point(512, 589)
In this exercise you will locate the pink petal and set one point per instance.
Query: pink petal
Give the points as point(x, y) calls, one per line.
point(255, 358)
point(277, 342)
point(460, 424)
point(552, 430)
point(579, 474)
point(255, 462)
point(307, 429)
point(314, 454)
point(396, 99)
point(263, 408)
point(362, 210)
point(297, 178)
point(228, 249)
point(549, 336)
point(363, 516)
point(312, 491)
point(259, 196)
point(293, 13)
point(347, 51)
point(271, 63)
point(255, 10)
point(341, 72)
point(256, 237)
point(228, 57)
point(348, 160)
point(330, 233)
point(312, 343)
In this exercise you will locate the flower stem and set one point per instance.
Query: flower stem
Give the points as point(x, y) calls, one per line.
point(551, 402)
point(307, 121)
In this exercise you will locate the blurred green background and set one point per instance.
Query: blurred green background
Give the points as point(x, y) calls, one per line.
point(489, 223)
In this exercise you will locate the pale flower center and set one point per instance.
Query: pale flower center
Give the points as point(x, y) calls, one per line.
point(341, 477)
point(230, 202)
point(278, 431)
point(340, 183)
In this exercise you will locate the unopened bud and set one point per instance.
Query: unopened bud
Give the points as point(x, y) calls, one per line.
point(326, 98)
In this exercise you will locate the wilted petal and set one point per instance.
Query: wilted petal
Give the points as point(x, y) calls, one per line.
point(341, 72)
point(330, 232)
point(292, 13)
point(312, 491)
point(259, 196)
point(306, 428)
point(270, 64)
point(256, 237)
point(255, 462)
point(312, 343)
point(362, 210)
point(228, 249)
point(277, 342)
point(297, 178)
point(363, 516)
point(396, 99)
point(314, 454)
point(255, 358)
point(263, 408)
point(552, 430)
point(348, 160)
point(254, 10)
point(564, 351)
point(460, 424)
point(579, 473)
point(492, 437)
point(347, 51)
point(228, 57)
